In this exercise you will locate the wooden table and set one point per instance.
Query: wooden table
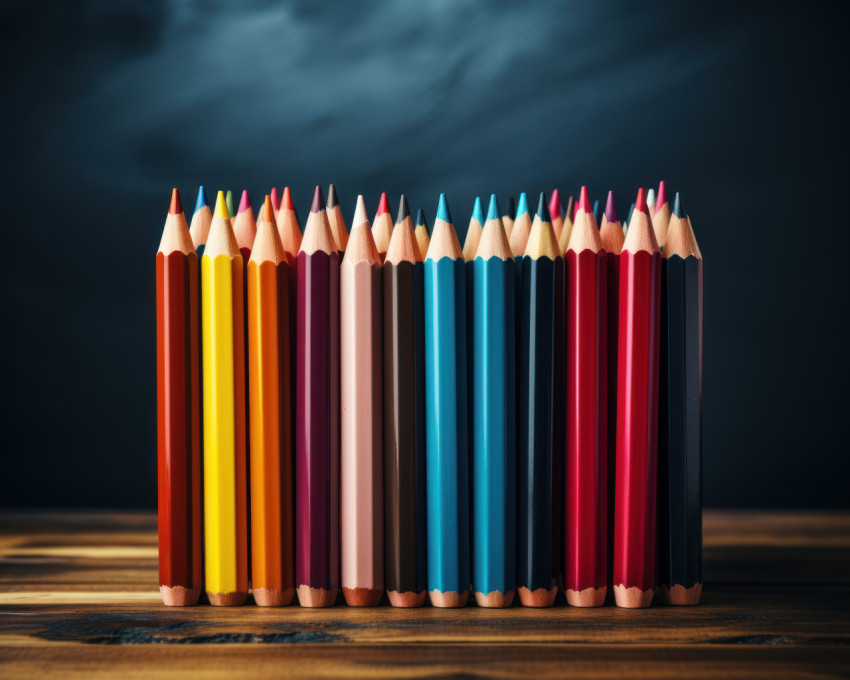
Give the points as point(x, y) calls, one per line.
point(79, 597)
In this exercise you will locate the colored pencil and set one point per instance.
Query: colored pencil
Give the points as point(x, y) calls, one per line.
point(522, 227)
point(567, 230)
point(337, 222)
point(661, 216)
point(650, 203)
point(494, 424)
point(612, 242)
point(508, 217)
point(596, 210)
point(178, 413)
point(225, 437)
point(275, 202)
point(637, 413)
point(423, 239)
point(245, 227)
point(361, 450)
point(231, 209)
point(541, 292)
point(680, 421)
point(382, 227)
point(317, 413)
point(270, 408)
point(629, 217)
point(473, 231)
point(201, 219)
point(447, 457)
point(585, 578)
point(555, 213)
point(405, 520)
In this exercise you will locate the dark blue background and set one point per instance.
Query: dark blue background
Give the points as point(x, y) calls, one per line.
point(107, 105)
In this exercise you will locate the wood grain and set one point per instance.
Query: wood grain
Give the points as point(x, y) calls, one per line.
point(79, 598)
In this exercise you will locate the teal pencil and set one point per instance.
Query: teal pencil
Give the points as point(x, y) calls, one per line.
point(494, 398)
point(446, 427)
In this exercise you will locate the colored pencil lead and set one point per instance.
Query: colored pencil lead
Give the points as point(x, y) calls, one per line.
point(543, 208)
point(584, 200)
point(662, 194)
point(275, 199)
point(286, 201)
point(611, 208)
point(443, 212)
point(571, 209)
point(383, 206)
point(221, 206)
point(523, 205)
point(403, 210)
point(332, 199)
point(510, 211)
point(679, 207)
point(318, 201)
point(229, 201)
point(555, 204)
point(176, 206)
point(202, 199)
point(245, 202)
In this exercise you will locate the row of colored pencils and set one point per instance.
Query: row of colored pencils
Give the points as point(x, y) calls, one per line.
point(387, 411)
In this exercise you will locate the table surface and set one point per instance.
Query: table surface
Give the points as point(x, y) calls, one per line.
point(79, 598)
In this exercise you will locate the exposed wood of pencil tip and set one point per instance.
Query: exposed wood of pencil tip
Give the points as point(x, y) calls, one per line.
point(316, 597)
point(406, 599)
point(449, 598)
point(403, 244)
point(494, 599)
point(361, 244)
point(632, 597)
point(584, 235)
point(317, 234)
point(444, 242)
point(273, 597)
point(175, 236)
point(520, 234)
point(681, 239)
point(267, 244)
point(244, 226)
point(541, 240)
point(179, 596)
point(541, 597)
point(362, 597)
point(589, 597)
point(680, 595)
point(221, 240)
point(288, 226)
point(612, 236)
point(641, 237)
point(493, 241)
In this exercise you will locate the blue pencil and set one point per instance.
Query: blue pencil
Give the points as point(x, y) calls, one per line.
point(446, 429)
point(494, 397)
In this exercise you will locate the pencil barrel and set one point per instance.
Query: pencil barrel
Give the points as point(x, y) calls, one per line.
point(446, 432)
point(637, 429)
point(586, 426)
point(612, 270)
point(225, 465)
point(494, 425)
point(680, 432)
point(317, 429)
point(178, 428)
point(270, 408)
point(361, 453)
point(405, 525)
point(537, 313)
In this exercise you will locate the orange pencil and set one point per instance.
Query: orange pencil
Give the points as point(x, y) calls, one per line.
point(269, 380)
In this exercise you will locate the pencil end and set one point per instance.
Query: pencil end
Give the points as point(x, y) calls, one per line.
point(286, 201)
point(662, 194)
point(611, 208)
point(202, 199)
point(493, 212)
point(318, 200)
point(555, 204)
point(383, 205)
point(420, 219)
point(403, 210)
point(333, 201)
point(443, 210)
point(678, 207)
point(522, 208)
point(543, 208)
point(640, 202)
point(478, 211)
point(221, 206)
point(584, 200)
point(275, 198)
point(179, 596)
point(176, 206)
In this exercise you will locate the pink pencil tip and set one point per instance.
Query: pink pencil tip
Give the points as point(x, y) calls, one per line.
point(384, 205)
point(584, 200)
point(245, 203)
point(640, 202)
point(555, 205)
point(662, 195)
point(275, 198)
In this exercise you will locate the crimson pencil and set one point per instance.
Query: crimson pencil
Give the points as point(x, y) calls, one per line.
point(317, 413)
point(637, 413)
point(585, 578)
point(680, 420)
point(612, 237)
point(178, 412)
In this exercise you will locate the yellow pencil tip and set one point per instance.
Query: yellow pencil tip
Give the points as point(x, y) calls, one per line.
point(221, 206)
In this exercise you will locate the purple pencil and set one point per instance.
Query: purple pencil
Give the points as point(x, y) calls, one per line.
point(317, 413)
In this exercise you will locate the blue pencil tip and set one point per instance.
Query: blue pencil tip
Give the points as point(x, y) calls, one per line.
point(478, 211)
point(420, 218)
point(510, 211)
point(523, 205)
point(443, 210)
point(543, 208)
point(596, 209)
point(493, 211)
point(631, 210)
point(202, 199)
point(678, 207)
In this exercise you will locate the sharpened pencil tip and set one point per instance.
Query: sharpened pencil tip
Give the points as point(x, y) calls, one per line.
point(493, 209)
point(228, 198)
point(543, 208)
point(631, 210)
point(584, 200)
point(640, 202)
point(511, 209)
point(571, 208)
point(245, 202)
point(555, 204)
point(268, 210)
point(403, 209)
point(383, 205)
point(275, 199)
point(679, 207)
point(221, 206)
point(318, 200)
point(359, 212)
point(420, 218)
point(662, 194)
point(478, 211)
point(522, 208)
point(176, 206)
point(333, 201)
point(443, 212)
point(202, 199)
point(596, 209)
point(611, 208)
point(287, 199)
point(650, 198)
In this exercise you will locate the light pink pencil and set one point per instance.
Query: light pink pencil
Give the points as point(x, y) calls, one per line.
point(361, 457)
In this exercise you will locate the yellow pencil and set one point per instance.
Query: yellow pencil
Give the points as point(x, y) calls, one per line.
point(225, 484)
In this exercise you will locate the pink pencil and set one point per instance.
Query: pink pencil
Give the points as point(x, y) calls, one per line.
point(361, 454)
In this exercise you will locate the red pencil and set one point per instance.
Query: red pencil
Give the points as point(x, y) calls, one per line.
point(178, 412)
point(586, 566)
point(637, 412)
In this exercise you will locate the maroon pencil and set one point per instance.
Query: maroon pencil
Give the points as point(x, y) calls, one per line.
point(317, 413)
